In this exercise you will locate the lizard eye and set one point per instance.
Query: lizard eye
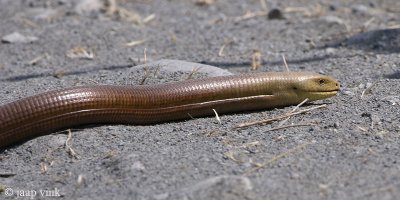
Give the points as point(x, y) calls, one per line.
point(321, 82)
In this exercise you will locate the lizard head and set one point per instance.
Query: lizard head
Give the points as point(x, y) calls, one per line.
point(315, 86)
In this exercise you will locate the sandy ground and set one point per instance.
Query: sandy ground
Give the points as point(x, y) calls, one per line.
point(352, 151)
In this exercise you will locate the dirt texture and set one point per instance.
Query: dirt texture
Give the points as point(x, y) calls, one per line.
point(348, 150)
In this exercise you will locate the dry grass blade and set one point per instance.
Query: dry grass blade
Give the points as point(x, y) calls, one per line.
point(313, 11)
point(250, 15)
point(149, 18)
point(222, 48)
point(265, 121)
point(230, 155)
point(70, 150)
point(145, 55)
point(145, 76)
point(37, 59)
point(294, 109)
point(145, 68)
point(135, 43)
point(284, 61)
point(80, 52)
point(256, 59)
point(193, 72)
point(367, 23)
point(43, 168)
point(217, 116)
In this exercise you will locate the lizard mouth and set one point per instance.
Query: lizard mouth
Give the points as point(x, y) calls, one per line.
point(325, 93)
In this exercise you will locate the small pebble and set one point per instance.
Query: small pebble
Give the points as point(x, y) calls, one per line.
point(138, 166)
point(85, 7)
point(348, 92)
point(18, 38)
point(275, 13)
point(332, 19)
point(360, 9)
point(330, 50)
point(375, 118)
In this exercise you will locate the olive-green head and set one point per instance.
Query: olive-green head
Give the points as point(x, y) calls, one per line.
point(315, 86)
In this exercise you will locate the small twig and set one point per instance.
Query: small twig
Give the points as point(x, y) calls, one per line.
point(146, 68)
point(265, 121)
point(43, 167)
point(316, 10)
point(230, 155)
point(256, 59)
point(80, 53)
point(362, 128)
point(366, 24)
point(217, 116)
point(284, 61)
point(69, 147)
point(193, 72)
point(135, 43)
point(277, 157)
point(300, 104)
point(250, 15)
point(145, 76)
point(145, 55)
point(149, 18)
point(191, 117)
point(222, 48)
point(36, 60)
point(294, 109)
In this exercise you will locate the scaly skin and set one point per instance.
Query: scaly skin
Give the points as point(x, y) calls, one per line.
point(43, 113)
